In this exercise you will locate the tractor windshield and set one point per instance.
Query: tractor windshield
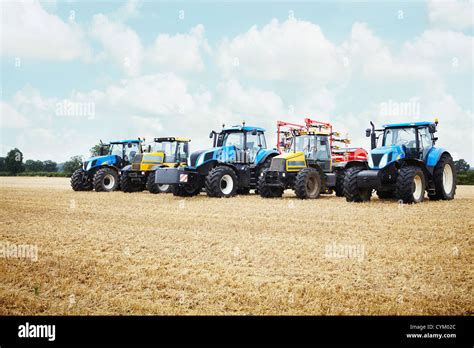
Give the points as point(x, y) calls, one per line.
point(169, 148)
point(400, 136)
point(303, 143)
point(234, 139)
point(116, 150)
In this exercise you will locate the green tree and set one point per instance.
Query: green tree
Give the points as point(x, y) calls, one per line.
point(461, 165)
point(74, 163)
point(98, 150)
point(14, 161)
point(3, 166)
point(34, 166)
point(50, 166)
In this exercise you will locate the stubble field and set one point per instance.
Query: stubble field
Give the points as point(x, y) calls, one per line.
point(117, 253)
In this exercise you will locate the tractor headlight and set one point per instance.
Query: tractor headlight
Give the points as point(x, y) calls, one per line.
point(383, 161)
point(371, 163)
point(89, 165)
point(283, 174)
point(143, 173)
point(200, 160)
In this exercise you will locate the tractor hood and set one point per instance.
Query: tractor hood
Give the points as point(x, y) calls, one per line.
point(382, 156)
point(221, 153)
point(291, 155)
point(100, 161)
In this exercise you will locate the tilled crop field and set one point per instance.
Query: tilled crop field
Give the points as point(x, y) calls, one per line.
point(66, 252)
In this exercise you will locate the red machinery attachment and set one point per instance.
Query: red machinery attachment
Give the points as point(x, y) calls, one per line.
point(339, 154)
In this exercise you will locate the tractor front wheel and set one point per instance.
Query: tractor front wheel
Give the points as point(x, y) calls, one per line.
point(128, 185)
point(106, 180)
point(153, 187)
point(410, 187)
point(268, 191)
point(79, 181)
point(221, 182)
point(339, 183)
point(352, 192)
point(308, 184)
point(444, 177)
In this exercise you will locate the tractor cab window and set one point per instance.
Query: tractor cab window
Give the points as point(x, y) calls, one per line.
point(116, 150)
point(169, 148)
point(303, 143)
point(263, 142)
point(234, 139)
point(322, 148)
point(182, 152)
point(131, 149)
point(253, 145)
point(425, 141)
point(400, 136)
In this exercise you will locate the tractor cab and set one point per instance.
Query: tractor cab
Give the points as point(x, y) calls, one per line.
point(315, 147)
point(240, 144)
point(175, 150)
point(126, 150)
point(401, 141)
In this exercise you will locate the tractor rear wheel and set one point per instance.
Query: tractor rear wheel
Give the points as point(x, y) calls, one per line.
point(339, 189)
point(221, 182)
point(352, 192)
point(410, 187)
point(444, 177)
point(268, 191)
point(185, 190)
point(106, 180)
point(128, 185)
point(78, 183)
point(308, 184)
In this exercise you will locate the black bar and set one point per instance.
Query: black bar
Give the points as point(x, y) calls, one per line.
point(242, 330)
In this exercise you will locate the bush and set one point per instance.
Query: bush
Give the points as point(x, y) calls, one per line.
point(48, 174)
point(466, 178)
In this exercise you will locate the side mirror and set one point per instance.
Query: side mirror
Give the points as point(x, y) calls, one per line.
point(367, 132)
point(149, 148)
point(432, 128)
point(211, 134)
point(254, 132)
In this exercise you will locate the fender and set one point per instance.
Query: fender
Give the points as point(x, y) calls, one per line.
point(265, 154)
point(126, 168)
point(421, 165)
point(433, 157)
point(351, 164)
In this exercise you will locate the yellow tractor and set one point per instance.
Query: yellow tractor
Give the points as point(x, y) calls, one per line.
point(162, 153)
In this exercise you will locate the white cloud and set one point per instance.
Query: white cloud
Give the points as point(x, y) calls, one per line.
point(11, 118)
point(121, 44)
point(290, 51)
point(180, 52)
point(451, 14)
point(129, 10)
point(31, 32)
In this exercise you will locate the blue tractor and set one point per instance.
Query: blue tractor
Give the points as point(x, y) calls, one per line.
point(232, 166)
point(101, 173)
point(407, 165)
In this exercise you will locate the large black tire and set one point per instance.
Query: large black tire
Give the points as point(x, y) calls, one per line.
point(78, 183)
point(386, 194)
point(441, 173)
point(265, 165)
point(151, 186)
point(221, 182)
point(352, 192)
point(266, 191)
point(127, 185)
point(411, 185)
point(185, 190)
point(308, 184)
point(339, 189)
point(106, 180)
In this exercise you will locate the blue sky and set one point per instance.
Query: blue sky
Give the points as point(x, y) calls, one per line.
point(157, 68)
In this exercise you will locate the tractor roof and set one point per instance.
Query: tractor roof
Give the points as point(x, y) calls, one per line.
point(243, 128)
point(126, 141)
point(171, 139)
point(408, 124)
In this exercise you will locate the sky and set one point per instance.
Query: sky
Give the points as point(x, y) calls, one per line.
point(75, 72)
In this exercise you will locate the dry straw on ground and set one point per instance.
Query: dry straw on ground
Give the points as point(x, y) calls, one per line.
point(120, 253)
